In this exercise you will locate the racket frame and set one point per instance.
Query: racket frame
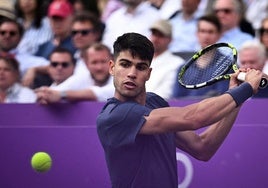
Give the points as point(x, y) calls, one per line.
point(223, 76)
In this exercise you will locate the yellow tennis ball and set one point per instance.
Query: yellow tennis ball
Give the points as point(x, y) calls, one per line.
point(41, 162)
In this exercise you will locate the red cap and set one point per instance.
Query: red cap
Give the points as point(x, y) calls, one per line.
point(60, 9)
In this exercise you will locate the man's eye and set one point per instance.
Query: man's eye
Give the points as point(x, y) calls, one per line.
point(141, 67)
point(125, 65)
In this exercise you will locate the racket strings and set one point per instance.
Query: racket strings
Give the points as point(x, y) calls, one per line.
point(208, 66)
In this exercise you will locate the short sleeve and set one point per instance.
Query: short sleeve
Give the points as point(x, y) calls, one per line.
point(119, 124)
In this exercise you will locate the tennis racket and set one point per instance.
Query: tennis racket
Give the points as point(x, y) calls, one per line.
point(210, 65)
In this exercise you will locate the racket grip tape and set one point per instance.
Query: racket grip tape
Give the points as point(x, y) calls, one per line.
point(263, 84)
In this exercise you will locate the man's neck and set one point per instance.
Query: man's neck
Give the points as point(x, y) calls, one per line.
point(141, 98)
point(132, 7)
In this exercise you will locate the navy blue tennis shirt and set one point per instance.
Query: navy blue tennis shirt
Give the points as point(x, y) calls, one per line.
point(135, 160)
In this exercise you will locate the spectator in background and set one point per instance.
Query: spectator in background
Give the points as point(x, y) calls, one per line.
point(86, 5)
point(86, 30)
point(32, 16)
point(7, 10)
point(134, 16)
point(184, 27)
point(263, 37)
point(61, 66)
point(60, 15)
point(208, 32)
point(98, 57)
point(11, 91)
point(164, 64)
point(91, 7)
point(11, 33)
point(252, 54)
point(229, 13)
point(245, 25)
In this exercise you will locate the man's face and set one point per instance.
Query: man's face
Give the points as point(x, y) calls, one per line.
point(130, 74)
point(160, 41)
point(249, 58)
point(8, 76)
point(9, 36)
point(98, 65)
point(60, 26)
point(83, 34)
point(61, 67)
point(207, 33)
point(228, 16)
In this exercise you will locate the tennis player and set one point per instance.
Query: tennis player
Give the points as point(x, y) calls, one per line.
point(140, 132)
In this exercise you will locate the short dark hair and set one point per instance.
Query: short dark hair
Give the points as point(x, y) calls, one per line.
point(85, 16)
point(39, 12)
point(13, 63)
point(19, 26)
point(213, 19)
point(63, 50)
point(137, 44)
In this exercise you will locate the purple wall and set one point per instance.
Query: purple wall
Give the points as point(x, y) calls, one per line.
point(68, 133)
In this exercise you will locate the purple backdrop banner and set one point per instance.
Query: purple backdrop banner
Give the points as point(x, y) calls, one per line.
point(68, 133)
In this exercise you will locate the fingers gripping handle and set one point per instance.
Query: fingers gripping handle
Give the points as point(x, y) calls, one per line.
point(263, 84)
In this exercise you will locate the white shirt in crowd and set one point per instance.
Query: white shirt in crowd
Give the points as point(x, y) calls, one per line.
point(163, 76)
point(33, 37)
point(80, 79)
point(20, 94)
point(104, 92)
point(121, 22)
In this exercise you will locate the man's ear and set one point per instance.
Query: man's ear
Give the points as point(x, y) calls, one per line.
point(111, 67)
point(149, 74)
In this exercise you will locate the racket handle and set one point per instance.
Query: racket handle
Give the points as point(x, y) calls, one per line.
point(263, 84)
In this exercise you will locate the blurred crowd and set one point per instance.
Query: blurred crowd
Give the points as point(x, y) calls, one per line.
point(59, 50)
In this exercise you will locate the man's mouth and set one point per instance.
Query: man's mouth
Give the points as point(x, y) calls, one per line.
point(130, 85)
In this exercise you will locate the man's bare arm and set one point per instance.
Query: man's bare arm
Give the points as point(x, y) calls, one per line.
point(191, 117)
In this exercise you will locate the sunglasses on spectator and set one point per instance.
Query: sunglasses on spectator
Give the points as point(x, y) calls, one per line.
point(63, 64)
point(263, 31)
point(83, 32)
point(223, 10)
point(11, 33)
